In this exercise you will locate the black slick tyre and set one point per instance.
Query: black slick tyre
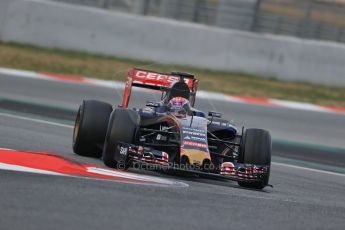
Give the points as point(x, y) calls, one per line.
point(256, 148)
point(90, 128)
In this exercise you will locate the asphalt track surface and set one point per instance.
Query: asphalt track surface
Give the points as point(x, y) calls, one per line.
point(301, 198)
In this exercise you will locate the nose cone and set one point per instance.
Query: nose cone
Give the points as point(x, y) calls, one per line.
point(196, 157)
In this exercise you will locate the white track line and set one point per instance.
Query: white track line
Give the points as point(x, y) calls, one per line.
point(35, 120)
point(309, 169)
point(160, 181)
point(18, 168)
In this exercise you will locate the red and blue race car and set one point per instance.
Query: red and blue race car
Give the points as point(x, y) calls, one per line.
point(171, 134)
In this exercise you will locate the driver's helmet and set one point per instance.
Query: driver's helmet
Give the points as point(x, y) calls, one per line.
point(179, 106)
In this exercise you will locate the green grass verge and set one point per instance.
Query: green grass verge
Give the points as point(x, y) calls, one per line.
point(104, 67)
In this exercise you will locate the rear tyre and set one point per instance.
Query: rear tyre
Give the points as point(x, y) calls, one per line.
point(256, 148)
point(90, 128)
point(123, 126)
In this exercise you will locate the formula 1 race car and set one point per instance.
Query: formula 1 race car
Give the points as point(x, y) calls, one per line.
point(171, 135)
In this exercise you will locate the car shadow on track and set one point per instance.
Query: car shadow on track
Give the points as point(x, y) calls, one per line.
point(195, 179)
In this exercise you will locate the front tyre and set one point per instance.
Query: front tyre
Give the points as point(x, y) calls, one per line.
point(256, 148)
point(90, 128)
point(123, 127)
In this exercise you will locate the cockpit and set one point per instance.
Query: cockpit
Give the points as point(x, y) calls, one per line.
point(179, 107)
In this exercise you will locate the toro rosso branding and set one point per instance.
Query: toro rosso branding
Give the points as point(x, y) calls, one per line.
point(152, 77)
point(194, 138)
point(194, 132)
point(195, 144)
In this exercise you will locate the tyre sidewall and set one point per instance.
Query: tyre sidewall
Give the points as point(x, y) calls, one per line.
point(123, 126)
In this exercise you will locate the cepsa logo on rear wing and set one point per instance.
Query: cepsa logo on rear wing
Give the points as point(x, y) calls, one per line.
point(156, 79)
point(152, 80)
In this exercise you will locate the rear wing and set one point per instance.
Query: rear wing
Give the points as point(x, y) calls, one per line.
point(156, 81)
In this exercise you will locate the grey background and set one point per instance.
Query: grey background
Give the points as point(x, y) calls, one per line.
point(66, 26)
point(298, 18)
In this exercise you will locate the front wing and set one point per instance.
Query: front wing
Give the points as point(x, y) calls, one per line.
point(148, 158)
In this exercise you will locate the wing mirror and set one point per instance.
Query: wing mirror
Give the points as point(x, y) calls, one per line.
point(214, 114)
point(152, 104)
